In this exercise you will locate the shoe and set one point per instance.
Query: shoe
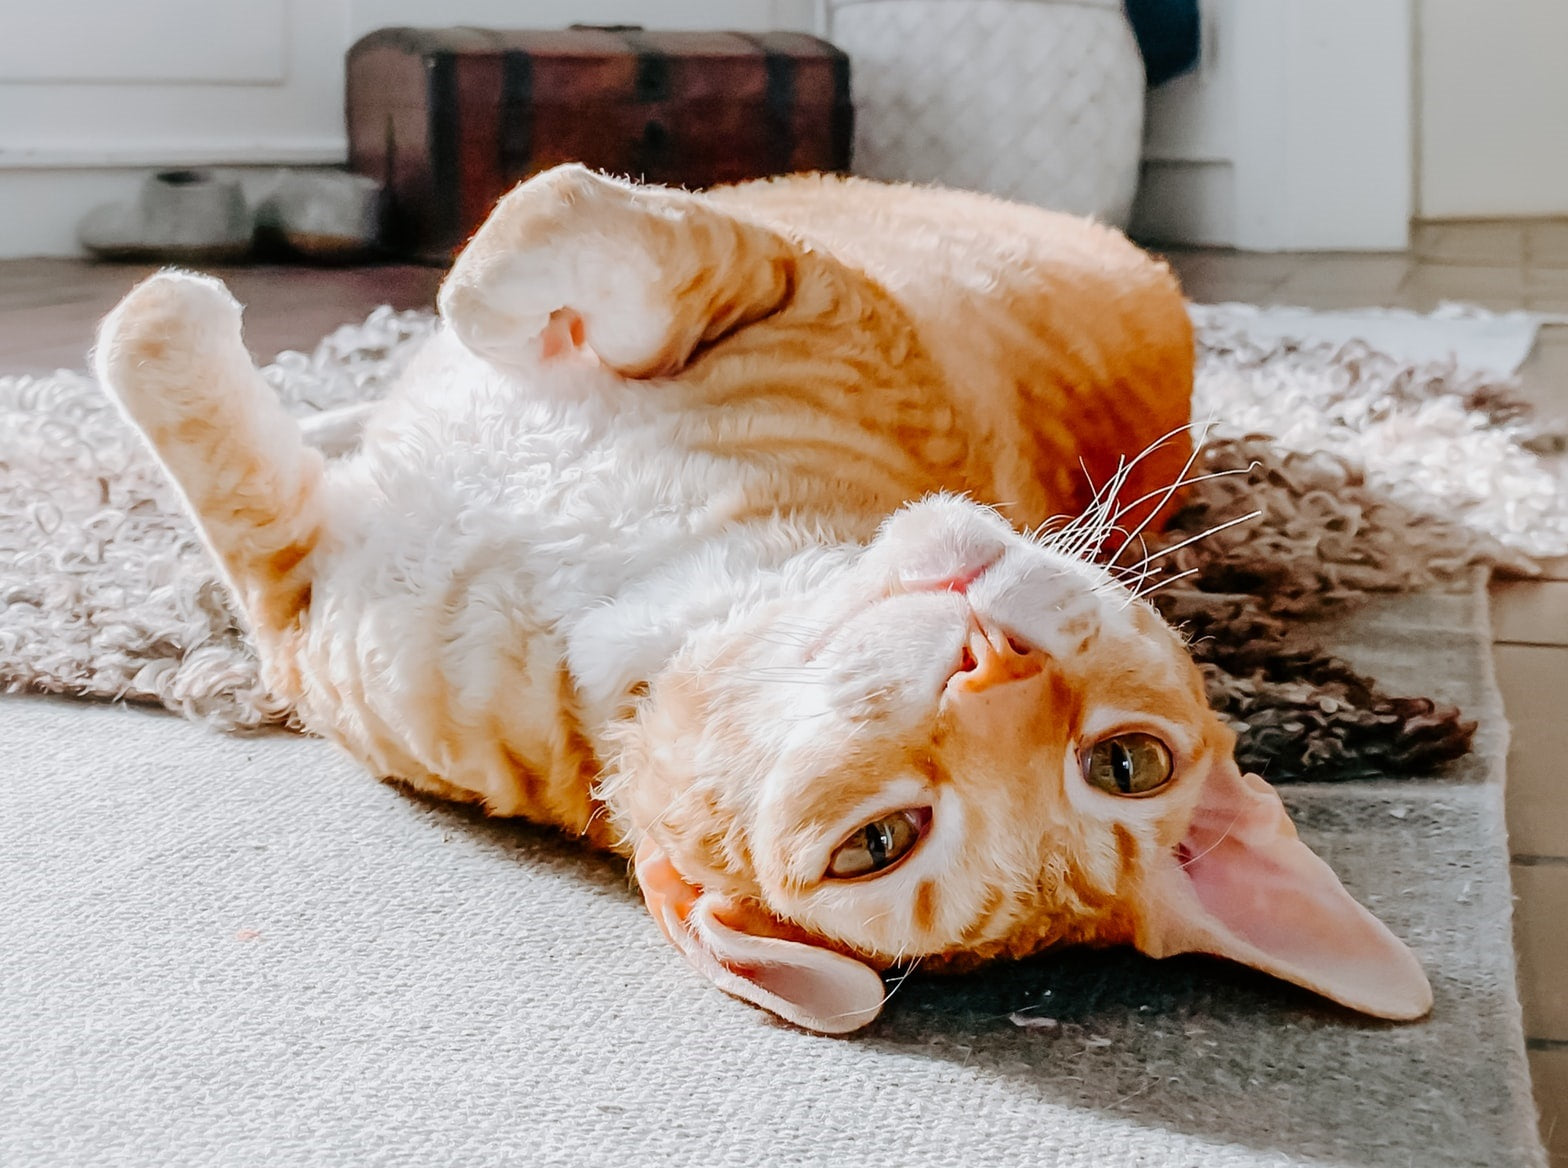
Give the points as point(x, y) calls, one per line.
point(323, 215)
point(181, 216)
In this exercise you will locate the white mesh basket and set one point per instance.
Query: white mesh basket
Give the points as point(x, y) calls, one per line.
point(1035, 100)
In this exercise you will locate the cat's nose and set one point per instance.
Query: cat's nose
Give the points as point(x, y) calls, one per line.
point(991, 658)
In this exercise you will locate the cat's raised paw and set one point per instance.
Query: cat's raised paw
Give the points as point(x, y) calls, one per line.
point(164, 321)
point(567, 261)
point(168, 341)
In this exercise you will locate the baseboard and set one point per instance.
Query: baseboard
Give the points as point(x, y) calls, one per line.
point(41, 206)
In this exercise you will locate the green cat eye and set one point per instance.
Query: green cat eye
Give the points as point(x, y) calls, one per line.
point(879, 845)
point(1128, 764)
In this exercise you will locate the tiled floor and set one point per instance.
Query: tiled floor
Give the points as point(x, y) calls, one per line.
point(48, 309)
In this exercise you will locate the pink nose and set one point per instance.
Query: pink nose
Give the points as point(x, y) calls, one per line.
point(992, 658)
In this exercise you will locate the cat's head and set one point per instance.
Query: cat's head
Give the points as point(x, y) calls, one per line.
point(966, 745)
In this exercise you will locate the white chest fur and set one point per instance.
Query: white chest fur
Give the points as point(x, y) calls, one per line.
point(559, 515)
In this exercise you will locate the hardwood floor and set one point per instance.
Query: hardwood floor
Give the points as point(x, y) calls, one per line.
point(49, 308)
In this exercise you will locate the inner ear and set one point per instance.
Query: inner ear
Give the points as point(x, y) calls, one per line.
point(1242, 885)
point(746, 951)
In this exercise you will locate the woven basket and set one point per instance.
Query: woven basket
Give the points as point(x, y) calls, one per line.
point(1033, 100)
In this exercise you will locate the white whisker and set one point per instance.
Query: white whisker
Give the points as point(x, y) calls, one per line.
point(1084, 535)
point(899, 983)
point(1224, 835)
point(1169, 492)
point(1202, 478)
point(1215, 530)
point(1152, 589)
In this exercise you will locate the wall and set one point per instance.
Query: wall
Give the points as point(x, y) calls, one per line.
point(1493, 108)
point(1296, 134)
point(94, 92)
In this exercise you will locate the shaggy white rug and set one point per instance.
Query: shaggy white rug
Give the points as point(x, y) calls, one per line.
point(1497, 342)
point(218, 949)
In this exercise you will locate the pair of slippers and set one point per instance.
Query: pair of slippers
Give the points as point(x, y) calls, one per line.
point(198, 217)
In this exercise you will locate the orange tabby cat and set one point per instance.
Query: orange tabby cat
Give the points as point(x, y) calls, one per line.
point(665, 539)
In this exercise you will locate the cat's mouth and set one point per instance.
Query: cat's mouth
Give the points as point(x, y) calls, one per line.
point(958, 581)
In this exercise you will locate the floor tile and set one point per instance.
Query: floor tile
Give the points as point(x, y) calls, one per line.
point(1430, 284)
point(1483, 242)
point(45, 337)
point(1212, 290)
point(1549, 1070)
point(1545, 279)
point(1530, 612)
point(1546, 243)
point(1534, 682)
point(1540, 908)
point(1368, 279)
point(1546, 289)
point(1217, 265)
point(1212, 276)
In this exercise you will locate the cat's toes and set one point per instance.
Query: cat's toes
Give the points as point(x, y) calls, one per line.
point(557, 268)
point(165, 326)
point(498, 316)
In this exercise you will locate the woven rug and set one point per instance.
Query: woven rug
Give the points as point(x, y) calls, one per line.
point(237, 949)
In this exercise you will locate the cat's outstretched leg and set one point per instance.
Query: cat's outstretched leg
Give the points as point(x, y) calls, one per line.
point(639, 275)
point(337, 432)
point(172, 354)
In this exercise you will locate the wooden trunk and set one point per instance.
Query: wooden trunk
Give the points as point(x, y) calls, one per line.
point(448, 120)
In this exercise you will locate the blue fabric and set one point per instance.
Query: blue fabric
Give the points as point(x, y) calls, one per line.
point(1167, 32)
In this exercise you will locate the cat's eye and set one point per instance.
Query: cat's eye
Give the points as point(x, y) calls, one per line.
point(880, 844)
point(1128, 764)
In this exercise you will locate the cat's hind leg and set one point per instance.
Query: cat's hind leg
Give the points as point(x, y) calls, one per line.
point(338, 431)
point(172, 355)
point(639, 275)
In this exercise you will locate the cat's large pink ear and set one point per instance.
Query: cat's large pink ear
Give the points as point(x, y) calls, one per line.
point(1243, 886)
point(748, 953)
